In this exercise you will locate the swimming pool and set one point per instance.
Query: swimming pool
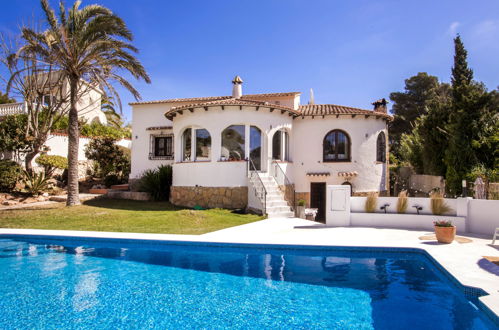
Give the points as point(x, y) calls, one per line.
point(90, 283)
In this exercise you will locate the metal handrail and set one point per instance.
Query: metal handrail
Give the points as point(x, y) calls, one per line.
point(252, 172)
point(287, 182)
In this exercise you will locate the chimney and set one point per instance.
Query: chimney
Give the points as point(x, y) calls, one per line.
point(237, 88)
point(312, 99)
point(380, 105)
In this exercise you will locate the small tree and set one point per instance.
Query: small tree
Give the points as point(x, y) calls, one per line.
point(110, 157)
point(52, 162)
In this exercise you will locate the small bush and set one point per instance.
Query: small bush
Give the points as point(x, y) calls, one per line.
point(438, 204)
point(157, 182)
point(109, 157)
point(371, 202)
point(302, 202)
point(10, 173)
point(52, 162)
point(36, 183)
point(402, 202)
point(111, 180)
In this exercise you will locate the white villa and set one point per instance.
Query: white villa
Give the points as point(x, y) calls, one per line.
point(260, 151)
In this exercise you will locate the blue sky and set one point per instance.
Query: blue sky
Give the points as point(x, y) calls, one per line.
point(349, 52)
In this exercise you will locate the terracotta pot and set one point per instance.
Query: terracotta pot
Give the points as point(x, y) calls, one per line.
point(445, 234)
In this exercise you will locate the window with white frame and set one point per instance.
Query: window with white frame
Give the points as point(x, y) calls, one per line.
point(196, 144)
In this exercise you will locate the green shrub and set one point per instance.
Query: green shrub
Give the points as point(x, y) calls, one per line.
point(10, 173)
point(52, 162)
point(111, 180)
point(157, 182)
point(302, 202)
point(36, 183)
point(109, 157)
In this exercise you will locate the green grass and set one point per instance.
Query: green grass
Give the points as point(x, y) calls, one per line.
point(124, 216)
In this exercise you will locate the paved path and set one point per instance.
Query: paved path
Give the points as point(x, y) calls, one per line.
point(464, 261)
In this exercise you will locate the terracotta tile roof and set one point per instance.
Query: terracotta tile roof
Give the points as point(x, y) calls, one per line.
point(333, 109)
point(213, 98)
point(232, 101)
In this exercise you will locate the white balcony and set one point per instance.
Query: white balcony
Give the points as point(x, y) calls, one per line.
point(11, 109)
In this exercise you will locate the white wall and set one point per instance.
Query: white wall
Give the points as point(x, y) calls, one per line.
point(307, 141)
point(58, 144)
point(358, 205)
point(89, 107)
point(483, 216)
point(210, 174)
point(215, 120)
point(144, 116)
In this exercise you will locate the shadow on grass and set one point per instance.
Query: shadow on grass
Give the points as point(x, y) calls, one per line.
point(131, 205)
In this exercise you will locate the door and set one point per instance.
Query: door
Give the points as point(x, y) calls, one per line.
point(318, 200)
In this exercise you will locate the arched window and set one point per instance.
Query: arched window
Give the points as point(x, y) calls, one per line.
point(256, 147)
point(203, 144)
point(233, 140)
point(280, 145)
point(336, 147)
point(381, 148)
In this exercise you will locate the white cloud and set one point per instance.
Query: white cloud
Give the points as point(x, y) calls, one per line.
point(452, 30)
point(486, 29)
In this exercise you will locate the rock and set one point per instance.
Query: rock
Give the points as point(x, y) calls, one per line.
point(41, 198)
point(45, 194)
point(10, 203)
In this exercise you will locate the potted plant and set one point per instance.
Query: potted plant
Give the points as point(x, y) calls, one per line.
point(445, 231)
point(300, 208)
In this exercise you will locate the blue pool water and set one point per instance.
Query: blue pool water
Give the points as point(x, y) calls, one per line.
point(60, 283)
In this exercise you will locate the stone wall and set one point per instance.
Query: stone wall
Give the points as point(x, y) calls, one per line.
point(210, 197)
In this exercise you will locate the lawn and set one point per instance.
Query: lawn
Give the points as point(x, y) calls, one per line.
point(124, 216)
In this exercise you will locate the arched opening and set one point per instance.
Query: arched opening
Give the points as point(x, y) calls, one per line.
point(233, 142)
point(336, 147)
point(280, 145)
point(381, 148)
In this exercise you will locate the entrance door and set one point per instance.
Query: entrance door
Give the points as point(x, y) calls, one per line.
point(318, 200)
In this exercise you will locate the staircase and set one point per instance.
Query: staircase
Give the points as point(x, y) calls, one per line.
point(276, 205)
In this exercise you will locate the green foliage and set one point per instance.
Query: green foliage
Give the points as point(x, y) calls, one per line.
point(35, 183)
point(52, 162)
point(10, 173)
point(95, 130)
point(109, 157)
point(302, 202)
point(157, 182)
point(443, 223)
point(111, 180)
point(411, 149)
point(4, 98)
point(13, 133)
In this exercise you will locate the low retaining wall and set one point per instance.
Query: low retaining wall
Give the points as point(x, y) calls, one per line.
point(133, 195)
point(210, 197)
point(404, 221)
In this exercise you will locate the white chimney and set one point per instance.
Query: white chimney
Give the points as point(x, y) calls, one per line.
point(312, 100)
point(237, 88)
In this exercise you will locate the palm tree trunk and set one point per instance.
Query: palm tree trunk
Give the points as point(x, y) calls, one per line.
point(73, 140)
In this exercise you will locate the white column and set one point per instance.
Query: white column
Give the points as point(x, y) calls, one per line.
point(246, 141)
point(193, 144)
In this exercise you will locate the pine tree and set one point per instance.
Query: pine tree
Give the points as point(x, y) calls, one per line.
point(469, 104)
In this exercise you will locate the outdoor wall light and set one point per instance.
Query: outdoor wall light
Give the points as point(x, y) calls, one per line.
point(418, 208)
point(384, 207)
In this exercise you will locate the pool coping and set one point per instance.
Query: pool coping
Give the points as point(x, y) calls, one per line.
point(488, 301)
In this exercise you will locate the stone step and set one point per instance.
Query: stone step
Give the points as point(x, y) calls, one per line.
point(276, 203)
point(281, 215)
point(278, 209)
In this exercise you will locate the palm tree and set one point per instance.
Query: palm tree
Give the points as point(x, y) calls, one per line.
point(89, 46)
point(113, 117)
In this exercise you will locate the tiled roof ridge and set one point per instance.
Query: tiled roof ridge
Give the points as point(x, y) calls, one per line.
point(335, 109)
point(213, 98)
point(232, 101)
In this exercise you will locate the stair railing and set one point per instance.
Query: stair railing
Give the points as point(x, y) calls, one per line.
point(257, 182)
point(285, 185)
